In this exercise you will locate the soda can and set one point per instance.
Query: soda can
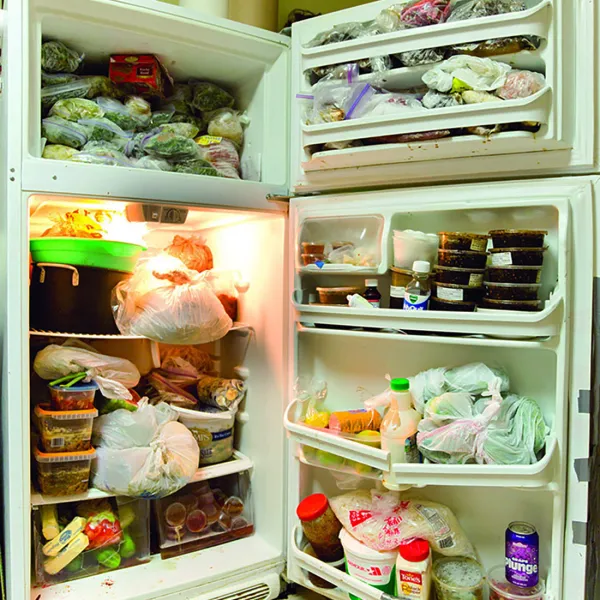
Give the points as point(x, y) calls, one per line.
point(522, 552)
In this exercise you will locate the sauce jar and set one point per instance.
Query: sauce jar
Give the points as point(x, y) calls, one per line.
point(321, 527)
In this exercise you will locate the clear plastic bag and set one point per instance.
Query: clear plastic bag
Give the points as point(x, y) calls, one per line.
point(416, 58)
point(383, 520)
point(433, 99)
point(105, 130)
point(185, 129)
point(196, 166)
point(103, 153)
point(414, 13)
point(143, 454)
point(225, 394)
point(163, 389)
point(120, 114)
point(169, 145)
point(344, 32)
point(209, 96)
point(49, 79)
point(480, 74)
point(521, 84)
point(181, 99)
point(199, 359)
point(139, 109)
point(58, 58)
point(58, 152)
point(152, 164)
point(227, 123)
point(60, 131)
point(162, 116)
point(73, 109)
point(112, 375)
point(310, 394)
point(221, 153)
point(498, 46)
point(192, 251)
point(473, 9)
point(51, 94)
point(167, 302)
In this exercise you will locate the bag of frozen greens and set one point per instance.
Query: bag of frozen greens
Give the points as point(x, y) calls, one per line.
point(57, 78)
point(51, 94)
point(102, 153)
point(195, 166)
point(227, 123)
point(167, 144)
point(120, 114)
point(162, 116)
point(139, 109)
point(184, 129)
point(59, 152)
point(104, 129)
point(73, 109)
point(57, 58)
point(61, 131)
point(153, 164)
point(208, 97)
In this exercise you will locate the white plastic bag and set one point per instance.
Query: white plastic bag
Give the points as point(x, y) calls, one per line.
point(169, 303)
point(480, 74)
point(382, 521)
point(145, 454)
point(112, 375)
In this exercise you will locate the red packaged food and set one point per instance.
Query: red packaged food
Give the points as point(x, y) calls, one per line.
point(102, 527)
point(141, 73)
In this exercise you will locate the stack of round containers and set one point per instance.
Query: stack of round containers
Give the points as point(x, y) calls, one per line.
point(459, 275)
point(515, 270)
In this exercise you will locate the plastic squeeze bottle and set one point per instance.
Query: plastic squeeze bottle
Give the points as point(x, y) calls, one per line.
point(413, 571)
point(418, 291)
point(399, 426)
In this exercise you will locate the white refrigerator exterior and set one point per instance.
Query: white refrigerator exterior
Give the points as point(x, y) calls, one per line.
point(259, 67)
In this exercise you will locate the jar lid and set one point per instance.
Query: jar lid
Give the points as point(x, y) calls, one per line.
point(415, 551)
point(371, 282)
point(399, 384)
point(312, 507)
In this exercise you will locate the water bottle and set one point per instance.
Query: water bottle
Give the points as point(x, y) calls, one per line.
point(418, 291)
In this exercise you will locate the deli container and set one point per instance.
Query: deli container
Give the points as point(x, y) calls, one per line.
point(337, 295)
point(64, 473)
point(506, 257)
point(523, 305)
point(452, 305)
point(410, 246)
point(456, 240)
point(512, 291)
point(65, 430)
point(515, 274)
point(76, 397)
point(122, 542)
point(457, 293)
point(501, 589)
point(311, 259)
point(205, 514)
point(518, 238)
point(458, 276)
point(458, 577)
point(464, 259)
point(313, 248)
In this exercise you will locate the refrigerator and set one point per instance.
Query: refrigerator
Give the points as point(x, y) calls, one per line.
point(293, 193)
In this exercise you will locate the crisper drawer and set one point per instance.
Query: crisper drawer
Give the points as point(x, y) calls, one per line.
point(372, 90)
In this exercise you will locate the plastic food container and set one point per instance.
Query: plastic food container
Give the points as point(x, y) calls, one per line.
point(512, 291)
point(464, 259)
point(506, 257)
point(311, 259)
point(515, 274)
point(374, 568)
point(458, 276)
point(410, 246)
point(64, 473)
point(336, 295)
point(321, 527)
point(315, 579)
point(313, 248)
point(400, 279)
point(452, 305)
point(213, 430)
point(518, 238)
point(76, 397)
point(458, 578)
point(65, 430)
point(463, 241)
point(525, 305)
point(500, 589)
point(457, 293)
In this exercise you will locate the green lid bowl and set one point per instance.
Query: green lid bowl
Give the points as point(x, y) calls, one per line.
point(85, 252)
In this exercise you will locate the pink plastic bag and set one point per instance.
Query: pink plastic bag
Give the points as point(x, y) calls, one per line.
point(421, 13)
point(521, 84)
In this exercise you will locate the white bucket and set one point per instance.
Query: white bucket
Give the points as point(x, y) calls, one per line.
point(410, 246)
point(369, 566)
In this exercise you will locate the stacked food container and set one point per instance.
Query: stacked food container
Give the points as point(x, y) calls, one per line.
point(515, 270)
point(460, 272)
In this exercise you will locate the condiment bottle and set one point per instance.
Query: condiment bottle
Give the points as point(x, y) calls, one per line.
point(399, 426)
point(372, 294)
point(413, 571)
point(321, 527)
point(418, 291)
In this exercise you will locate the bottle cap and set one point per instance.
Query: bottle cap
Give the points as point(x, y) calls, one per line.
point(421, 266)
point(371, 282)
point(399, 384)
point(312, 507)
point(415, 551)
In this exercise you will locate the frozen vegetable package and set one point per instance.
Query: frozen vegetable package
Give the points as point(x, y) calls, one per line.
point(126, 117)
point(184, 129)
point(60, 131)
point(152, 164)
point(103, 153)
point(73, 109)
point(169, 145)
point(383, 520)
point(207, 97)
point(74, 89)
point(167, 302)
point(103, 129)
point(59, 152)
point(57, 58)
point(473, 9)
point(227, 123)
point(221, 153)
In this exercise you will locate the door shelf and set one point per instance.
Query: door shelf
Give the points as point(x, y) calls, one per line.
point(237, 464)
point(538, 475)
point(534, 21)
point(545, 323)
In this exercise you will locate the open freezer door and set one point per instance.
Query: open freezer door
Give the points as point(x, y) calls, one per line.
point(544, 354)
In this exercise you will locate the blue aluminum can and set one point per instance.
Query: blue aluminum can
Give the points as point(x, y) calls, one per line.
point(522, 552)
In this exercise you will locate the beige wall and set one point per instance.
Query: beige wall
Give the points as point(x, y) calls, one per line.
point(318, 6)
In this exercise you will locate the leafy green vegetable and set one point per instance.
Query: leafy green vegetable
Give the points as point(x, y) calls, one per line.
point(196, 167)
point(61, 131)
point(74, 109)
point(53, 93)
point(122, 115)
point(208, 97)
point(57, 78)
point(167, 144)
point(127, 548)
point(58, 152)
point(162, 116)
point(100, 86)
point(184, 129)
point(108, 557)
point(58, 58)
point(197, 121)
point(153, 164)
point(181, 100)
point(104, 129)
point(75, 565)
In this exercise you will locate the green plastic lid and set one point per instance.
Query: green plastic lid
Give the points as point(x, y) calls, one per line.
point(399, 385)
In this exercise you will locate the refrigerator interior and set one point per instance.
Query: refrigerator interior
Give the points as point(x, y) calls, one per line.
point(252, 351)
point(565, 142)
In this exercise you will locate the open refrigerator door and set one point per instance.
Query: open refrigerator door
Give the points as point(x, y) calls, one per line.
point(466, 479)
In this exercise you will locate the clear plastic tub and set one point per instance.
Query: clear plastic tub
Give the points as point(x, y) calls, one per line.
point(64, 473)
point(458, 578)
point(410, 246)
point(500, 589)
point(311, 259)
point(65, 430)
point(336, 295)
point(313, 248)
point(77, 397)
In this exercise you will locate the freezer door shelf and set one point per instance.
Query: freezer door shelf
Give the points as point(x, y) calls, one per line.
point(539, 475)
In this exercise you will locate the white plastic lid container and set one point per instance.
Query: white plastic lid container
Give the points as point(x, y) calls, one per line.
point(410, 246)
point(501, 589)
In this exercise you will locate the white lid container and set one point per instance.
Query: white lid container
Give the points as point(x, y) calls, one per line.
point(410, 246)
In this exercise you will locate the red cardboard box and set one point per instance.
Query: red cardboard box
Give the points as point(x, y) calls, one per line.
point(140, 73)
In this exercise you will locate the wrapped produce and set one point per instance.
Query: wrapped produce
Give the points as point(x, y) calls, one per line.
point(60, 131)
point(192, 252)
point(221, 153)
point(184, 129)
point(51, 94)
point(124, 116)
point(49, 79)
point(181, 98)
point(57, 58)
point(58, 152)
point(103, 129)
point(209, 96)
point(162, 116)
point(474, 9)
point(166, 144)
point(416, 58)
point(227, 123)
point(73, 109)
point(225, 394)
point(102, 153)
point(196, 166)
point(199, 359)
point(152, 164)
point(480, 74)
